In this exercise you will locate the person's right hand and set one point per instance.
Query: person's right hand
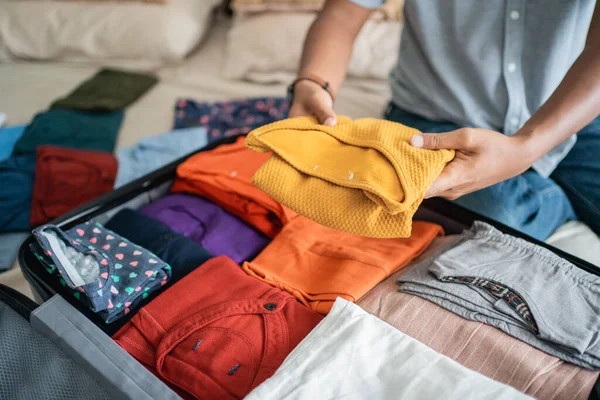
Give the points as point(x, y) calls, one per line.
point(311, 100)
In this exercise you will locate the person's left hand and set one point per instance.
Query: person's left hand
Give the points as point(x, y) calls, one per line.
point(483, 158)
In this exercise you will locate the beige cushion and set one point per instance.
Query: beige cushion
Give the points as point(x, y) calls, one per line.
point(258, 49)
point(83, 32)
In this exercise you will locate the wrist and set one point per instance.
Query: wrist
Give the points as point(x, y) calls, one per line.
point(528, 146)
point(306, 86)
point(310, 83)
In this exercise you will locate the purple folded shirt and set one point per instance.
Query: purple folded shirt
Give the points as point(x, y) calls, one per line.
point(219, 232)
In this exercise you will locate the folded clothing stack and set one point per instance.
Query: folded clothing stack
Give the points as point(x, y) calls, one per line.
point(317, 264)
point(218, 333)
point(208, 225)
point(352, 354)
point(214, 330)
point(223, 177)
point(73, 141)
point(182, 254)
point(518, 287)
point(84, 130)
point(66, 178)
point(473, 344)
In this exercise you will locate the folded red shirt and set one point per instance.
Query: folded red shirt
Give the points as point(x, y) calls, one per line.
point(67, 178)
point(218, 333)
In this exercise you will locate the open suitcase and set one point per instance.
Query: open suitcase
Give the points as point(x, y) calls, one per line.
point(155, 185)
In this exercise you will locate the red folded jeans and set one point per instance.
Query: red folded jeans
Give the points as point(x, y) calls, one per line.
point(218, 333)
point(67, 178)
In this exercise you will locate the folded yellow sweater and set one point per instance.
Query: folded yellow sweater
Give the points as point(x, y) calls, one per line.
point(361, 177)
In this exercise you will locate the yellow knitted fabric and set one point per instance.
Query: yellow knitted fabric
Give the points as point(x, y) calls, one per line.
point(361, 177)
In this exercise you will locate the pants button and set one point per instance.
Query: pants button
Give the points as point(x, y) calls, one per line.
point(270, 306)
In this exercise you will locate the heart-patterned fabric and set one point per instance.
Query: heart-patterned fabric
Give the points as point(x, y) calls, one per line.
point(104, 270)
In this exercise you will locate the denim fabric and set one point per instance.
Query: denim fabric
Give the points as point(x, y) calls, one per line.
point(487, 64)
point(8, 138)
point(154, 152)
point(530, 203)
point(181, 253)
point(520, 288)
point(579, 175)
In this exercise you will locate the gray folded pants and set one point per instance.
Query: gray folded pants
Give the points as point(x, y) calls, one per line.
point(521, 288)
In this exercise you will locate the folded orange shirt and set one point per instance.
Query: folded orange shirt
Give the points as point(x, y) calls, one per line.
point(318, 264)
point(223, 176)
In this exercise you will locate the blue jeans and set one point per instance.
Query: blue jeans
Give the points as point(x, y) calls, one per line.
point(530, 203)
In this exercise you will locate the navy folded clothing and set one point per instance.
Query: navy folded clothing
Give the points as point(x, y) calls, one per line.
point(16, 188)
point(182, 254)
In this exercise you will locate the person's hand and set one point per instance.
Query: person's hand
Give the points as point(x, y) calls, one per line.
point(311, 100)
point(483, 158)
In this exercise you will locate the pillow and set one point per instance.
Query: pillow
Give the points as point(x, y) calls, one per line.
point(392, 9)
point(92, 31)
point(259, 50)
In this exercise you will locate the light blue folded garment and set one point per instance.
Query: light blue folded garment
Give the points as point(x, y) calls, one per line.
point(8, 138)
point(153, 152)
point(9, 247)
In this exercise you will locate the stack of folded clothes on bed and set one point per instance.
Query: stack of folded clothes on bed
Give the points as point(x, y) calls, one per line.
point(63, 158)
point(522, 289)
